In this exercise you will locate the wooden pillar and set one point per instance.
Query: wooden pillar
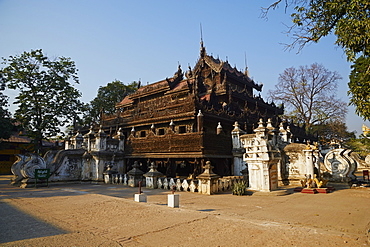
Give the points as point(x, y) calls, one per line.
point(200, 121)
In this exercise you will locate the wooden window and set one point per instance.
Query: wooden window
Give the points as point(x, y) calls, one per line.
point(161, 132)
point(182, 129)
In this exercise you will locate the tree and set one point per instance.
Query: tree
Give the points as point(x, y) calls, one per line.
point(6, 125)
point(360, 145)
point(359, 86)
point(46, 100)
point(333, 130)
point(350, 22)
point(107, 98)
point(308, 94)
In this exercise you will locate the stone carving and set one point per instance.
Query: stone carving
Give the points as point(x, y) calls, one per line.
point(171, 183)
point(66, 165)
point(340, 165)
point(32, 162)
point(165, 184)
point(178, 185)
point(361, 164)
point(24, 169)
point(16, 169)
point(308, 182)
point(193, 186)
point(125, 180)
point(160, 183)
point(185, 185)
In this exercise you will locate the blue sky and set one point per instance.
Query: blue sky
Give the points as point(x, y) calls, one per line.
point(132, 40)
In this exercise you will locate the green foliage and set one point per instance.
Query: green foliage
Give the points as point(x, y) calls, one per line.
point(360, 145)
point(333, 131)
point(46, 100)
point(350, 22)
point(6, 125)
point(359, 86)
point(106, 100)
point(240, 188)
point(309, 95)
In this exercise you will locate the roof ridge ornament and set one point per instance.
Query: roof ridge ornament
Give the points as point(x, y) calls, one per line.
point(246, 72)
point(202, 48)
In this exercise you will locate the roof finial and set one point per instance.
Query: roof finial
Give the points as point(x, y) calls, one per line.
point(202, 49)
point(201, 35)
point(245, 59)
point(246, 72)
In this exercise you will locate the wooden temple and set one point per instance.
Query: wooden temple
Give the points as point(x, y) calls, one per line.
point(183, 121)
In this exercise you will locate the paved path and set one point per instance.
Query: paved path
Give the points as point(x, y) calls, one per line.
point(106, 215)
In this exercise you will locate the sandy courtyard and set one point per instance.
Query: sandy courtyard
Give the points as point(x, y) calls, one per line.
point(106, 215)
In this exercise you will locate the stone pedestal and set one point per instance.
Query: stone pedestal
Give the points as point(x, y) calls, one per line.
point(152, 177)
point(323, 190)
point(298, 189)
point(309, 191)
point(208, 180)
point(173, 200)
point(140, 198)
point(108, 174)
point(135, 175)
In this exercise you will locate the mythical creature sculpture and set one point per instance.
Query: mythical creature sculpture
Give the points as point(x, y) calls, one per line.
point(16, 168)
point(308, 182)
point(24, 167)
point(33, 162)
point(340, 164)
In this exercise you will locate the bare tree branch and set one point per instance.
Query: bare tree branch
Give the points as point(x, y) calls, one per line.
point(309, 95)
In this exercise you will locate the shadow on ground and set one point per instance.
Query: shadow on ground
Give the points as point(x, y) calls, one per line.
point(16, 225)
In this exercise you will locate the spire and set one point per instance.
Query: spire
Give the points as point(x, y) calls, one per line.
point(202, 48)
point(246, 72)
point(201, 36)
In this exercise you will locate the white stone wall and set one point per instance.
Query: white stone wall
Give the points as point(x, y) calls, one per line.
point(295, 163)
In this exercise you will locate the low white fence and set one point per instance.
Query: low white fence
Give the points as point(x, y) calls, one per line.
point(190, 185)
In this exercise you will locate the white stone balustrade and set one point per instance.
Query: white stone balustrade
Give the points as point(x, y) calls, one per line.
point(186, 185)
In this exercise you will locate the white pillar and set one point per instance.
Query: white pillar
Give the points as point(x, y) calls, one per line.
point(309, 162)
point(173, 200)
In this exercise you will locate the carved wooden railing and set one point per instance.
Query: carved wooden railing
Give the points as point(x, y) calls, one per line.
point(188, 142)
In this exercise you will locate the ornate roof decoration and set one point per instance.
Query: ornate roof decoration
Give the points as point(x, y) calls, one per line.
point(212, 85)
point(220, 66)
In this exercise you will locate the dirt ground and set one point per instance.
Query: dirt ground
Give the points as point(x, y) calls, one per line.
point(107, 215)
